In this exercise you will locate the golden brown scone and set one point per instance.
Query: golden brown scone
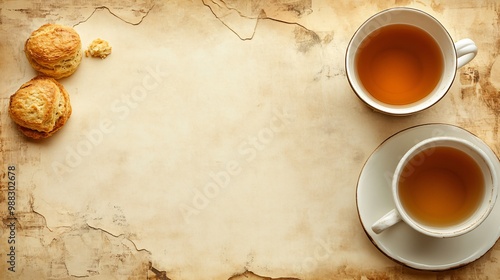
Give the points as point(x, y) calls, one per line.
point(40, 107)
point(54, 50)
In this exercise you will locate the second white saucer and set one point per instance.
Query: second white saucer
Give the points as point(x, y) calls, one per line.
point(401, 243)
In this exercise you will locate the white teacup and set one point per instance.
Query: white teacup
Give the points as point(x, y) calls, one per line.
point(418, 163)
point(455, 55)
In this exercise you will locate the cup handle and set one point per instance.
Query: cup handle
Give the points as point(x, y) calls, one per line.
point(387, 221)
point(466, 51)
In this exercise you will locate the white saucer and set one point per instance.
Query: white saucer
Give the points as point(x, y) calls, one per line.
point(400, 242)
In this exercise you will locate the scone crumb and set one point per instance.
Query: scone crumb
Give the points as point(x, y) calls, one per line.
point(98, 48)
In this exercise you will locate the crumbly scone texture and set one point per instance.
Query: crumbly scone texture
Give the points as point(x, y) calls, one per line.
point(54, 50)
point(98, 48)
point(40, 107)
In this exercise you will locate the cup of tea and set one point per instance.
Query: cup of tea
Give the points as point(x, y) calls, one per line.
point(402, 61)
point(442, 187)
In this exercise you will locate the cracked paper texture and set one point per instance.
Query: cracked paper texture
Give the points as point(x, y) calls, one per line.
point(219, 140)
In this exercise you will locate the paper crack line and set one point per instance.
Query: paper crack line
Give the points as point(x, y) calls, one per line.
point(261, 16)
point(115, 15)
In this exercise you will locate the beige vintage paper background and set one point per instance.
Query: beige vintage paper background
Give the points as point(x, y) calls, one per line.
point(219, 140)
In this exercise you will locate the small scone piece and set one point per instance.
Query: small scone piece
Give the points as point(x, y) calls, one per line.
point(40, 107)
point(98, 48)
point(54, 50)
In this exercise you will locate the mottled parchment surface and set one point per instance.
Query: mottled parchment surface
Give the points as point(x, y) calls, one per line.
point(219, 140)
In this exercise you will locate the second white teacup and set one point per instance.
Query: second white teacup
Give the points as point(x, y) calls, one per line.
point(442, 187)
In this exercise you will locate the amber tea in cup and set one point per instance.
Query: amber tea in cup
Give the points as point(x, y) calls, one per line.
point(441, 186)
point(401, 61)
point(399, 64)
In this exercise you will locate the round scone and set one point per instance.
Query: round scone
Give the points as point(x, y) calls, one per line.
point(40, 107)
point(54, 50)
